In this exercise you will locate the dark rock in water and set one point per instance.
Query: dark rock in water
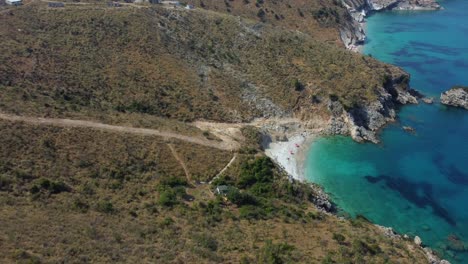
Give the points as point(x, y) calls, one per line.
point(409, 129)
point(456, 244)
point(412, 191)
point(426, 228)
point(428, 100)
point(457, 96)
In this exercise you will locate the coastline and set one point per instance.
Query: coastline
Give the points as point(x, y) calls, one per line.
point(291, 154)
point(356, 40)
point(294, 164)
point(300, 144)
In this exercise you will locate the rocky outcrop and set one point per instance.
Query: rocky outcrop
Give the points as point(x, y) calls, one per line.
point(457, 96)
point(417, 241)
point(433, 258)
point(430, 255)
point(409, 129)
point(428, 100)
point(353, 35)
point(363, 122)
point(403, 5)
point(417, 5)
point(321, 200)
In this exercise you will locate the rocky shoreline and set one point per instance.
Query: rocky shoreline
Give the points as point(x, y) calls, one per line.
point(353, 34)
point(363, 122)
point(278, 150)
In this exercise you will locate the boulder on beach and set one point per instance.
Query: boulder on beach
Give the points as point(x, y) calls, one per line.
point(456, 96)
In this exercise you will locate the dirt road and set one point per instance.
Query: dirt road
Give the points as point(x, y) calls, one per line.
point(225, 144)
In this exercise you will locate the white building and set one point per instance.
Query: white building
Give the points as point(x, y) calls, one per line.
point(14, 2)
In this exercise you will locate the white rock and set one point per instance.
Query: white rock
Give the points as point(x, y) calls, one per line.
point(417, 240)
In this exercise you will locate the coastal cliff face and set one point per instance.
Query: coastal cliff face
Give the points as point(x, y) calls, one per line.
point(403, 5)
point(457, 96)
point(354, 35)
point(362, 122)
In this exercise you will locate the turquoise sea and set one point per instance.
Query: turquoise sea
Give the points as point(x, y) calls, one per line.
point(415, 183)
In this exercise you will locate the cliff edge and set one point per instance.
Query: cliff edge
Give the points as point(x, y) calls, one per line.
point(362, 122)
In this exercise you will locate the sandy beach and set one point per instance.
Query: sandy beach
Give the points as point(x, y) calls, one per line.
point(291, 154)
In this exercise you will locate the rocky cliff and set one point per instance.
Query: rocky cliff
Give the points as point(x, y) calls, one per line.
point(363, 122)
point(403, 5)
point(359, 9)
point(457, 96)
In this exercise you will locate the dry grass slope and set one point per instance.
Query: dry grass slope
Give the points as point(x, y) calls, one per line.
point(171, 64)
point(87, 196)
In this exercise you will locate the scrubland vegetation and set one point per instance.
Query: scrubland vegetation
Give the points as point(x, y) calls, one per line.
point(170, 64)
point(89, 196)
point(79, 195)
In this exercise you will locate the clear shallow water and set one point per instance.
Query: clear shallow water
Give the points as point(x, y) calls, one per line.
point(418, 184)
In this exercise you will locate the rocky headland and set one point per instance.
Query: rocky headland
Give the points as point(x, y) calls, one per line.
point(363, 122)
point(456, 96)
point(353, 36)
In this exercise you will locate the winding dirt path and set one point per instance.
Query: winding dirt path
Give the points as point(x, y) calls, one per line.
point(225, 168)
point(182, 163)
point(225, 144)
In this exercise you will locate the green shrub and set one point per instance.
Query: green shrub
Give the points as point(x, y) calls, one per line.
point(364, 248)
point(167, 222)
point(273, 253)
point(260, 170)
point(167, 198)
point(298, 86)
point(315, 216)
point(326, 16)
point(206, 241)
point(53, 187)
point(5, 183)
point(240, 198)
point(262, 15)
point(80, 205)
point(211, 210)
point(172, 181)
point(252, 212)
point(223, 180)
point(264, 189)
point(105, 207)
point(22, 256)
point(339, 238)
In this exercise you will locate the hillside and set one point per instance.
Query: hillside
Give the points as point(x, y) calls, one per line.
point(87, 185)
point(87, 196)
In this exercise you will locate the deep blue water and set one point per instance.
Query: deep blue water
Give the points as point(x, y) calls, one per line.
point(417, 184)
